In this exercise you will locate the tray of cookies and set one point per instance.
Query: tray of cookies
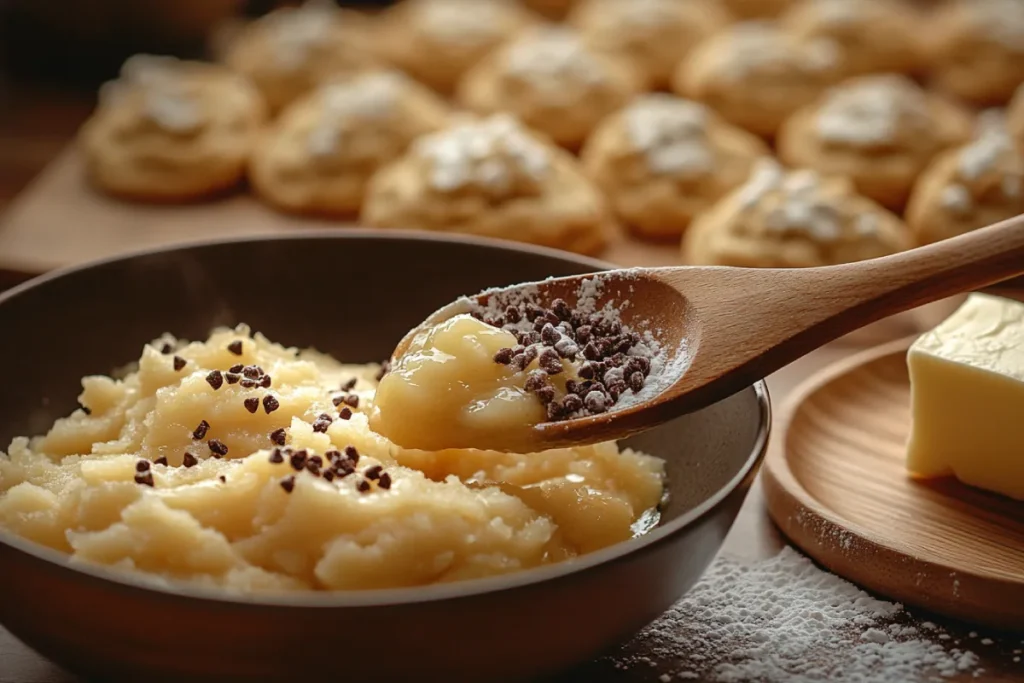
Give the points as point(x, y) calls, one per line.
point(789, 133)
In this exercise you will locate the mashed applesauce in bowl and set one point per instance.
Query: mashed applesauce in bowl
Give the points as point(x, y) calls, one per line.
point(187, 440)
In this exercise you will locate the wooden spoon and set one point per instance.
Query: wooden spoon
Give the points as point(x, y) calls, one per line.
point(730, 327)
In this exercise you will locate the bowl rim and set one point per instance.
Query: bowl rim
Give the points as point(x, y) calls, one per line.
point(381, 597)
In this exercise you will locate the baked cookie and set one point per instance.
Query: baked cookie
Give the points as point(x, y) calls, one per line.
point(320, 154)
point(652, 35)
point(755, 75)
point(969, 187)
point(437, 41)
point(552, 9)
point(552, 82)
point(662, 160)
point(976, 49)
point(493, 178)
point(873, 36)
point(291, 50)
point(1015, 117)
point(880, 131)
point(796, 219)
point(170, 130)
point(757, 9)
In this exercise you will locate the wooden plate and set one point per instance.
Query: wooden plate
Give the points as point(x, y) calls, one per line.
point(836, 486)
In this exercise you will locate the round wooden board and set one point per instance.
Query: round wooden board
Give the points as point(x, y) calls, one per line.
point(836, 486)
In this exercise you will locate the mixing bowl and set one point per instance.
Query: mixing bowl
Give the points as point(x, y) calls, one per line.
point(352, 294)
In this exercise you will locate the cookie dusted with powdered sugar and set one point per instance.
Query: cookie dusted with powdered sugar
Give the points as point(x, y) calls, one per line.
point(171, 130)
point(437, 41)
point(976, 49)
point(796, 219)
point(320, 154)
point(292, 50)
point(490, 177)
point(969, 187)
point(654, 36)
point(880, 131)
point(552, 82)
point(755, 75)
point(662, 160)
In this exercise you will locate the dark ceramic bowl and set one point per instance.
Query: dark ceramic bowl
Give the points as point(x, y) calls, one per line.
point(352, 294)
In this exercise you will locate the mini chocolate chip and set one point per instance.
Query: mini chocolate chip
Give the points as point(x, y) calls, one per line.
point(531, 353)
point(585, 387)
point(317, 460)
point(591, 351)
point(385, 481)
point(566, 348)
point(251, 404)
point(200, 431)
point(349, 385)
point(338, 400)
point(87, 410)
point(512, 314)
point(583, 333)
point(373, 473)
point(555, 410)
point(503, 356)
point(536, 379)
point(645, 364)
point(189, 460)
point(497, 321)
point(549, 335)
point(288, 483)
point(166, 348)
point(328, 475)
point(595, 402)
point(562, 309)
point(144, 479)
point(322, 423)
point(586, 370)
point(232, 378)
point(278, 436)
point(616, 389)
point(572, 386)
point(345, 414)
point(533, 311)
point(352, 400)
point(247, 383)
point(546, 394)
point(343, 468)
point(235, 347)
point(363, 486)
point(571, 403)
point(223, 479)
point(276, 456)
point(215, 380)
point(550, 363)
point(162, 460)
point(298, 460)
point(550, 317)
point(142, 466)
point(352, 454)
point(266, 381)
point(236, 368)
point(635, 382)
point(252, 371)
point(270, 404)
point(332, 455)
point(179, 363)
point(313, 468)
point(218, 448)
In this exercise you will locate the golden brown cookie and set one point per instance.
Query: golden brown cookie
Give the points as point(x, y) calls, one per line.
point(320, 154)
point(796, 219)
point(492, 178)
point(755, 76)
point(969, 187)
point(880, 131)
point(292, 50)
point(976, 49)
point(662, 160)
point(552, 82)
point(873, 36)
point(758, 9)
point(1015, 117)
point(170, 130)
point(652, 35)
point(437, 41)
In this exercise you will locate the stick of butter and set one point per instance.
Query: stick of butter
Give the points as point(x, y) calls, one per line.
point(967, 397)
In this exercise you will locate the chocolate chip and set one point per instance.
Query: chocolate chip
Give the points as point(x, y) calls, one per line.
point(363, 486)
point(351, 400)
point(549, 335)
point(550, 363)
point(352, 454)
point(616, 389)
point(566, 348)
point(313, 468)
point(635, 382)
point(528, 338)
point(251, 404)
point(142, 466)
point(247, 383)
point(595, 402)
point(288, 483)
point(345, 414)
point(162, 460)
point(385, 481)
point(512, 314)
point(235, 347)
point(215, 380)
point(298, 460)
point(200, 431)
point(586, 370)
point(166, 348)
point(343, 468)
point(179, 363)
point(373, 473)
point(555, 411)
point(252, 371)
point(536, 379)
point(265, 381)
point(236, 368)
point(546, 394)
point(583, 333)
point(332, 455)
point(316, 460)
point(350, 384)
point(549, 317)
point(189, 460)
point(270, 404)
point(533, 311)
point(561, 308)
point(278, 436)
point(232, 378)
point(87, 410)
point(503, 356)
point(223, 479)
point(144, 479)
point(218, 448)
point(276, 456)
point(322, 423)
point(591, 351)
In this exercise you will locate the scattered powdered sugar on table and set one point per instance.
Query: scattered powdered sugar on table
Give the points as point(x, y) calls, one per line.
point(784, 620)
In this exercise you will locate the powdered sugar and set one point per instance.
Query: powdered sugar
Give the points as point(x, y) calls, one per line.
point(1000, 20)
point(800, 207)
point(461, 21)
point(671, 133)
point(168, 100)
point(990, 144)
point(783, 620)
point(872, 111)
point(551, 59)
point(369, 98)
point(295, 31)
point(754, 46)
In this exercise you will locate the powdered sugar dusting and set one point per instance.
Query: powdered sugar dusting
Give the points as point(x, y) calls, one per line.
point(672, 134)
point(551, 58)
point(873, 111)
point(783, 620)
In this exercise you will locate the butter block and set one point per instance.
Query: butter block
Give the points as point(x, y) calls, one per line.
point(967, 397)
